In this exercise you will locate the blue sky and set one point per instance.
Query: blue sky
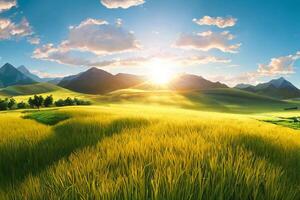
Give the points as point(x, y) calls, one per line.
point(258, 40)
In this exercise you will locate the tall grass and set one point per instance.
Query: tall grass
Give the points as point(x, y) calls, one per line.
point(144, 152)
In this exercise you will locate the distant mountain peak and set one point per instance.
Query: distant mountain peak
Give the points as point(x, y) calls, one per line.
point(7, 65)
point(276, 88)
point(9, 75)
point(281, 83)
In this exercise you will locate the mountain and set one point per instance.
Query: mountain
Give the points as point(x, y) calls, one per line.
point(97, 81)
point(36, 78)
point(193, 82)
point(242, 86)
point(9, 75)
point(277, 88)
point(26, 72)
point(54, 81)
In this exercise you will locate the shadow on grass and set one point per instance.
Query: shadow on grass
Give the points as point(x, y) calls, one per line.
point(285, 157)
point(20, 159)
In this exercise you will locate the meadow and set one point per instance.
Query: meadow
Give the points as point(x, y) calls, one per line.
point(160, 148)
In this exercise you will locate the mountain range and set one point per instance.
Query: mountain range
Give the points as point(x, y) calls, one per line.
point(9, 75)
point(277, 88)
point(97, 81)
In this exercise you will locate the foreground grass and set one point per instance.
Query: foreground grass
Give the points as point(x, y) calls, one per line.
point(146, 152)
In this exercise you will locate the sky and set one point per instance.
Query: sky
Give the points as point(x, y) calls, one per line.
point(231, 41)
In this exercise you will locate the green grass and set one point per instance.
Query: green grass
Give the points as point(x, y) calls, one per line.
point(287, 122)
point(160, 145)
point(147, 152)
point(219, 100)
point(48, 117)
point(37, 88)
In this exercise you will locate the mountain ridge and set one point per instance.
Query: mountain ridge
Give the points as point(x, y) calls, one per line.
point(279, 88)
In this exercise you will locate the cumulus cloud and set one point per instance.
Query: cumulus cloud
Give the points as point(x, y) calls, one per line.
point(50, 53)
point(99, 37)
point(113, 4)
point(216, 21)
point(206, 41)
point(9, 29)
point(279, 66)
point(7, 4)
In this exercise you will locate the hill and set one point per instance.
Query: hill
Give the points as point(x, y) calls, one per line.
point(219, 100)
point(9, 75)
point(97, 81)
point(277, 88)
point(31, 89)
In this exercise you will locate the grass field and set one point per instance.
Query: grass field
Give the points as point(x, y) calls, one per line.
point(167, 146)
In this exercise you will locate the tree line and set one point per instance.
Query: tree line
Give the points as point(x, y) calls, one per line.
point(38, 101)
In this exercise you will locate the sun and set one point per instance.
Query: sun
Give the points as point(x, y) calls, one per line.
point(160, 73)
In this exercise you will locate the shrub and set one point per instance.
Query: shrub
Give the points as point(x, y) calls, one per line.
point(11, 103)
point(21, 105)
point(59, 103)
point(3, 104)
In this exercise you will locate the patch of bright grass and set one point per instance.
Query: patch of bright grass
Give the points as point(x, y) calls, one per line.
point(291, 122)
point(148, 152)
point(47, 117)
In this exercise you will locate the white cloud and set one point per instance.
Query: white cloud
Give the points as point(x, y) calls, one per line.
point(279, 66)
point(246, 78)
point(112, 4)
point(200, 60)
point(9, 29)
point(34, 40)
point(7, 4)
point(50, 53)
point(216, 21)
point(99, 37)
point(206, 41)
point(43, 74)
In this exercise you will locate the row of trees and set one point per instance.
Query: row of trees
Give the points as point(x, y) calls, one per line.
point(39, 101)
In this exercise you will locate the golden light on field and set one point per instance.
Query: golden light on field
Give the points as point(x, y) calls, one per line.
point(160, 72)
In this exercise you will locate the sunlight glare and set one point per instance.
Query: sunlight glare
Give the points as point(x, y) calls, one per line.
point(160, 72)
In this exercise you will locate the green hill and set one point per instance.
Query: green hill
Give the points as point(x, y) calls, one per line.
point(37, 88)
point(225, 100)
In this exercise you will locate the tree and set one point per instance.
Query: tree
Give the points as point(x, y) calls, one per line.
point(59, 103)
point(69, 102)
point(48, 101)
point(3, 104)
point(31, 102)
point(21, 105)
point(11, 103)
point(38, 101)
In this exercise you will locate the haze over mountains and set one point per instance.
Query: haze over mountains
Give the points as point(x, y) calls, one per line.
point(97, 81)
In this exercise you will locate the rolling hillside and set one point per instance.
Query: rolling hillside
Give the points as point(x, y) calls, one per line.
point(31, 89)
point(224, 99)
